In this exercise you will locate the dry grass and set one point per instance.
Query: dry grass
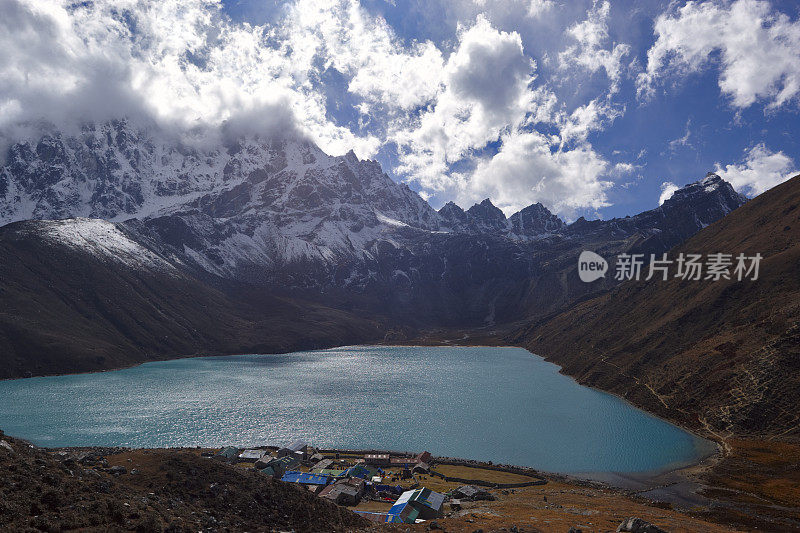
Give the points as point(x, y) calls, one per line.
point(566, 505)
point(556, 507)
point(757, 478)
point(483, 474)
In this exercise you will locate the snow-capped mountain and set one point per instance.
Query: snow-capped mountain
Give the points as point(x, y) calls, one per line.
point(230, 209)
point(689, 210)
point(285, 215)
point(116, 172)
point(103, 240)
point(251, 202)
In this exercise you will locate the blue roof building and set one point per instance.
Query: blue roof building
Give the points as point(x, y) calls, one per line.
point(413, 504)
point(305, 478)
point(358, 471)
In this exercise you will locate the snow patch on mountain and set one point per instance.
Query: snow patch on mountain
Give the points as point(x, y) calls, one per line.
point(102, 239)
point(390, 221)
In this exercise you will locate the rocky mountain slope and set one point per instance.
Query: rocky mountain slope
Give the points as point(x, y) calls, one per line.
point(721, 356)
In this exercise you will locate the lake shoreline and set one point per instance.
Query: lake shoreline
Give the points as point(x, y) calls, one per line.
point(611, 478)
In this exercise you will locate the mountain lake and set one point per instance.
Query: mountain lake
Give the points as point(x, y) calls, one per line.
point(500, 404)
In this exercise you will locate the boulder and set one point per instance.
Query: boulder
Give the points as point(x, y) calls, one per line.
point(117, 470)
point(472, 492)
point(637, 525)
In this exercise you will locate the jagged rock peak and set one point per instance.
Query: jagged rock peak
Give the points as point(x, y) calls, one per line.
point(711, 186)
point(351, 157)
point(452, 214)
point(486, 210)
point(486, 217)
point(535, 220)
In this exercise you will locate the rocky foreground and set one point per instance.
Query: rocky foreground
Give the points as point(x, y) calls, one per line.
point(171, 491)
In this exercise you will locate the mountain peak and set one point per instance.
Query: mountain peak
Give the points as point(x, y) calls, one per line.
point(535, 220)
point(486, 209)
point(486, 217)
point(712, 188)
point(451, 209)
point(351, 157)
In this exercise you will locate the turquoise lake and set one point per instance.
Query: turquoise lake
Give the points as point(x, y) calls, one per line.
point(494, 404)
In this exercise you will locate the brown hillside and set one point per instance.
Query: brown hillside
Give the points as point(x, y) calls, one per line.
point(722, 356)
point(65, 311)
point(173, 490)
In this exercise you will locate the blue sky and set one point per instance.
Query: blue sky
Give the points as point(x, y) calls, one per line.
point(594, 108)
point(688, 128)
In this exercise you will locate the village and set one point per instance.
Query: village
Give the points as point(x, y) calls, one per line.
point(385, 487)
point(231, 488)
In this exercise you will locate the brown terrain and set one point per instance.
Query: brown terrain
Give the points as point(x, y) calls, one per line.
point(161, 490)
point(711, 355)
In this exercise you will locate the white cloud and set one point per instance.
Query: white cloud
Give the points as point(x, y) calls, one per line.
point(760, 170)
point(486, 98)
point(587, 118)
point(674, 144)
point(485, 90)
point(526, 169)
point(592, 50)
point(539, 7)
point(381, 69)
point(489, 68)
point(759, 50)
point(667, 190)
point(177, 64)
point(526, 8)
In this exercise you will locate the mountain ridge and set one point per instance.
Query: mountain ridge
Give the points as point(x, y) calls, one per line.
point(283, 220)
point(711, 355)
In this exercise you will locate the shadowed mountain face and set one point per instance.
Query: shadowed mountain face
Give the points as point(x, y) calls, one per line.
point(284, 221)
point(83, 294)
point(717, 355)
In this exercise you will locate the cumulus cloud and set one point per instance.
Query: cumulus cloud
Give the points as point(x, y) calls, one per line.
point(342, 35)
point(485, 89)
point(527, 169)
point(489, 68)
point(667, 190)
point(179, 65)
point(757, 50)
point(592, 50)
point(487, 96)
point(587, 118)
point(760, 170)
